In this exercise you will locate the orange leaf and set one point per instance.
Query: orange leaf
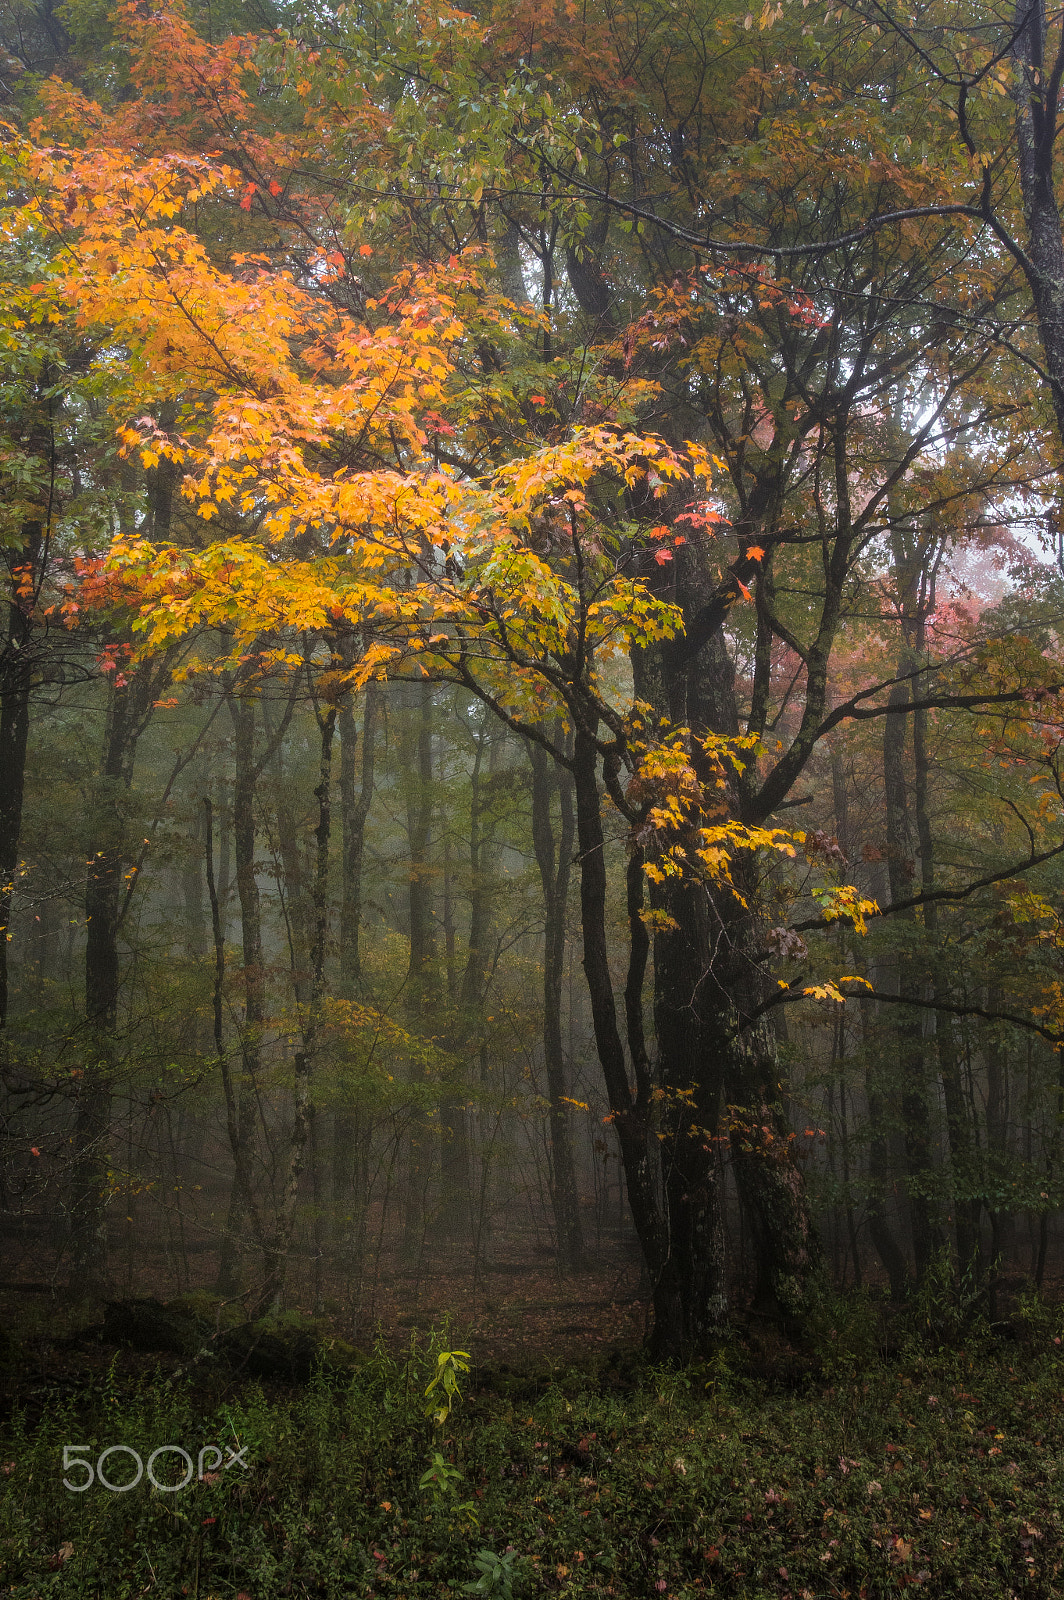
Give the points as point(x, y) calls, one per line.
point(365, 249)
point(755, 552)
point(745, 590)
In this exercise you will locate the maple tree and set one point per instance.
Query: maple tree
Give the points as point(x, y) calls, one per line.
point(557, 628)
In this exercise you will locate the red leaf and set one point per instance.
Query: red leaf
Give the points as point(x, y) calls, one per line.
point(661, 556)
point(703, 516)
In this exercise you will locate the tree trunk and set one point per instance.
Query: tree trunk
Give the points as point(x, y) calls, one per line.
point(958, 1128)
point(16, 672)
point(237, 1145)
point(691, 1298)
point(716, 1047)
point(907, 1028)
point(421, 988)
point(770, 1181)
point(555, 864)
point(277, 1253)
point(247, 771)
point(457, 1199)
point(350, 1130)
point(880, 1232)
point(128, 711)
point(630, 1109)
point(1037, 114)
point(997, 1123)
point(242, 713)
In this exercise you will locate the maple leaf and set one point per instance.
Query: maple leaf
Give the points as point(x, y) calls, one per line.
point(754, 552)
point(702, 516)
point(661, 556)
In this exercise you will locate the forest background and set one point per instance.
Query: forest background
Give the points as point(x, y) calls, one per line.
point(530, 693)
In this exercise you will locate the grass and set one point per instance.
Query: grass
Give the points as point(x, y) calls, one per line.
point(936, 1470)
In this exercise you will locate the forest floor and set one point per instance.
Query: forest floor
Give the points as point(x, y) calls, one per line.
point(512, 1309)
point(922, 1450)
point(937, 1469)
point(518, 1306)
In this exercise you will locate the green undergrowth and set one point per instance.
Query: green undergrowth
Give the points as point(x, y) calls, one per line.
point(936, 1471)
